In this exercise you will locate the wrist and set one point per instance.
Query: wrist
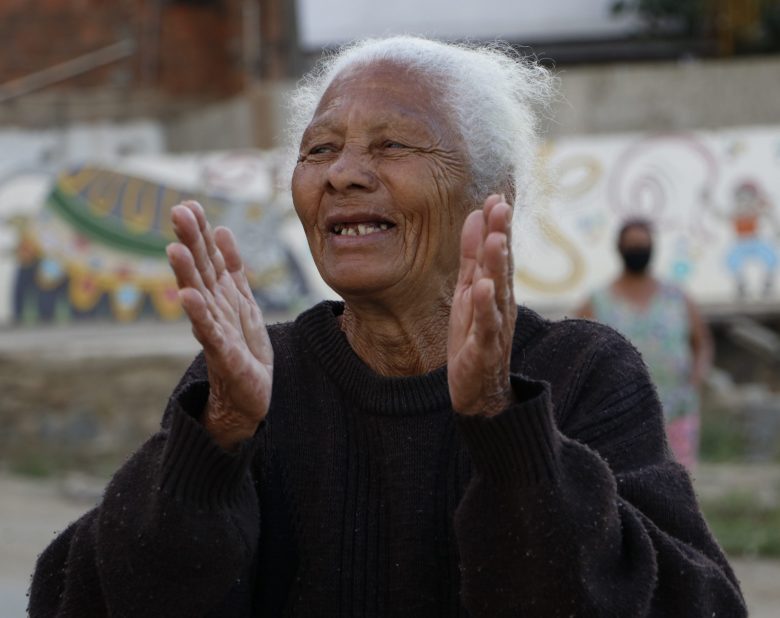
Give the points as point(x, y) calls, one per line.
point(227, 427)
point(491, 405)
point(497, 404)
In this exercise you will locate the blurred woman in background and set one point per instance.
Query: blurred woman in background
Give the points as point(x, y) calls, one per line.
point(666, 326)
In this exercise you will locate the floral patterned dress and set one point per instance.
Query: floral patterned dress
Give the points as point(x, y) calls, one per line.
point(661, 331)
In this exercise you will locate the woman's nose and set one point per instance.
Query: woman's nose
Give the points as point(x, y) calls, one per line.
point(352, 170)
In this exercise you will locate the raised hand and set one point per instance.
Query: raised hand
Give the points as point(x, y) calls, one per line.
point(226, 320)
point(482, 319)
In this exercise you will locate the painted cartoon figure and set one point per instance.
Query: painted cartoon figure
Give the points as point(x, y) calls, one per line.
point(750, 207)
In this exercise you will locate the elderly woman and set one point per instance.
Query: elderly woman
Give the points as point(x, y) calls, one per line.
point(426, 447)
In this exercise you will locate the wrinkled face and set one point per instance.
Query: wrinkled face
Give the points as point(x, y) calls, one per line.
point(381, 185)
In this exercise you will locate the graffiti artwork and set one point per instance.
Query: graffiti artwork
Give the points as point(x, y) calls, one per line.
point(714, 198)
point(96, 248)
point(750, 211)
point(88, 241)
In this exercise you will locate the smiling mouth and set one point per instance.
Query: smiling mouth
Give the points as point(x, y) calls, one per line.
point(360, 229)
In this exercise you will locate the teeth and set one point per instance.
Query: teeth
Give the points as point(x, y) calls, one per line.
point(360, 229)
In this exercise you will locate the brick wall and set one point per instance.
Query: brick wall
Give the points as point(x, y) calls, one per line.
point(200, 49)
point(184, 48)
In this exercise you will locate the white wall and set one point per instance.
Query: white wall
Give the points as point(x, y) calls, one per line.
point(327, 23)
point(685, 183)
point(28, 161)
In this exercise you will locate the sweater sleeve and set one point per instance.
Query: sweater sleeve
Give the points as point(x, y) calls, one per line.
point(592, 519)
point(174, 534)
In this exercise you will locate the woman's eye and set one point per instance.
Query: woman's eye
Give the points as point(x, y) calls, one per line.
point(392, 144)
point(322, 149)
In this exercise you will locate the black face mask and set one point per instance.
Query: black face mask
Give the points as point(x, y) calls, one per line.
point(636, 259)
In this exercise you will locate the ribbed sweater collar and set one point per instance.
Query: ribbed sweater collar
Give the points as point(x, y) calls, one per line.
point(374, 393)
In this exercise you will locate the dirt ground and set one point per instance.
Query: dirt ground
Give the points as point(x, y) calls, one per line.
point(33, 511)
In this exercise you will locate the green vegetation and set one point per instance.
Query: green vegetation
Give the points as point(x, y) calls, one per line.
point(723, 438)
point(37, 464)
point(738, 26)
point(32, 466)
point(683, 15)
point(732, 433)
point(743, 525)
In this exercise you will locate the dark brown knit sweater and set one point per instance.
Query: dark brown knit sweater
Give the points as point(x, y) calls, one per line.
point(363, 495)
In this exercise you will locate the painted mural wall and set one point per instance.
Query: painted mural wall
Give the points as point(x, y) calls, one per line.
point(84, 220)
point(713, 196)
point(84, 237)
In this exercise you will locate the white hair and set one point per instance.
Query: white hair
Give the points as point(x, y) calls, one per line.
point(493, 93)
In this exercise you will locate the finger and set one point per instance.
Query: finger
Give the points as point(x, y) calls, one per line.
point(187, 229)
point(187, 275)
point(490, 203)
point(495, 267)
point(501, 221)
point(212, 249)
point(228, 247)
point(250, 314)
point(206, 330)
point(487, 320)
point(470, 240)
point(255, 333)
point(500, 218)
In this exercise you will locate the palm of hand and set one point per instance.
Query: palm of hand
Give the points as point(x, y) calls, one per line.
point(238, 357)
point(483, 313)
point(226, 320)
